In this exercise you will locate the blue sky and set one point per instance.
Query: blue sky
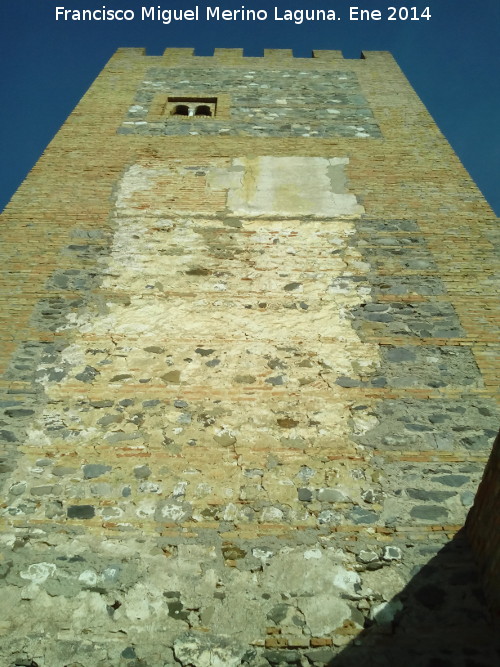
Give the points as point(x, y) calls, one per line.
point(452, 60)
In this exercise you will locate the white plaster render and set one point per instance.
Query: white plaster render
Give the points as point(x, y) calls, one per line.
point(290, 186)
point(150, 258)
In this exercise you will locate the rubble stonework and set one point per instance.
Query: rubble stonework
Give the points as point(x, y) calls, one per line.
point(249, 387)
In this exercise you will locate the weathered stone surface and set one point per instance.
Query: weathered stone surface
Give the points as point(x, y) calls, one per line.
point(87, 375)
point(92, 470)
point(429, 512)
point(318, 623)
point(205, 650)
point(81, 511)
point(331, 496)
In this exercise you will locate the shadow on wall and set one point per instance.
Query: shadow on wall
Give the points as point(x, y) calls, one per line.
point(440, 619)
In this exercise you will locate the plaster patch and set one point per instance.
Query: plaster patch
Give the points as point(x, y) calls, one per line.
point(324, 613)
point(291, 186)
point(37, 573)
point(88, 577)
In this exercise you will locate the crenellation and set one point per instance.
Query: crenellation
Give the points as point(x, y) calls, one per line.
point(328, 55)
point(278, 54)
point(228, 55)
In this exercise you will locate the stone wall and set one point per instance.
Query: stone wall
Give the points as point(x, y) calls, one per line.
point(250, 373)
point(289, 103)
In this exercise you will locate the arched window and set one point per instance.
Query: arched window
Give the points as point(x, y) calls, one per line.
point(203, 110)
point(181, 110)
point(192, 107)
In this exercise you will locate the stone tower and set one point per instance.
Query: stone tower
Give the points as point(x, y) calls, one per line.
point(251, 373)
